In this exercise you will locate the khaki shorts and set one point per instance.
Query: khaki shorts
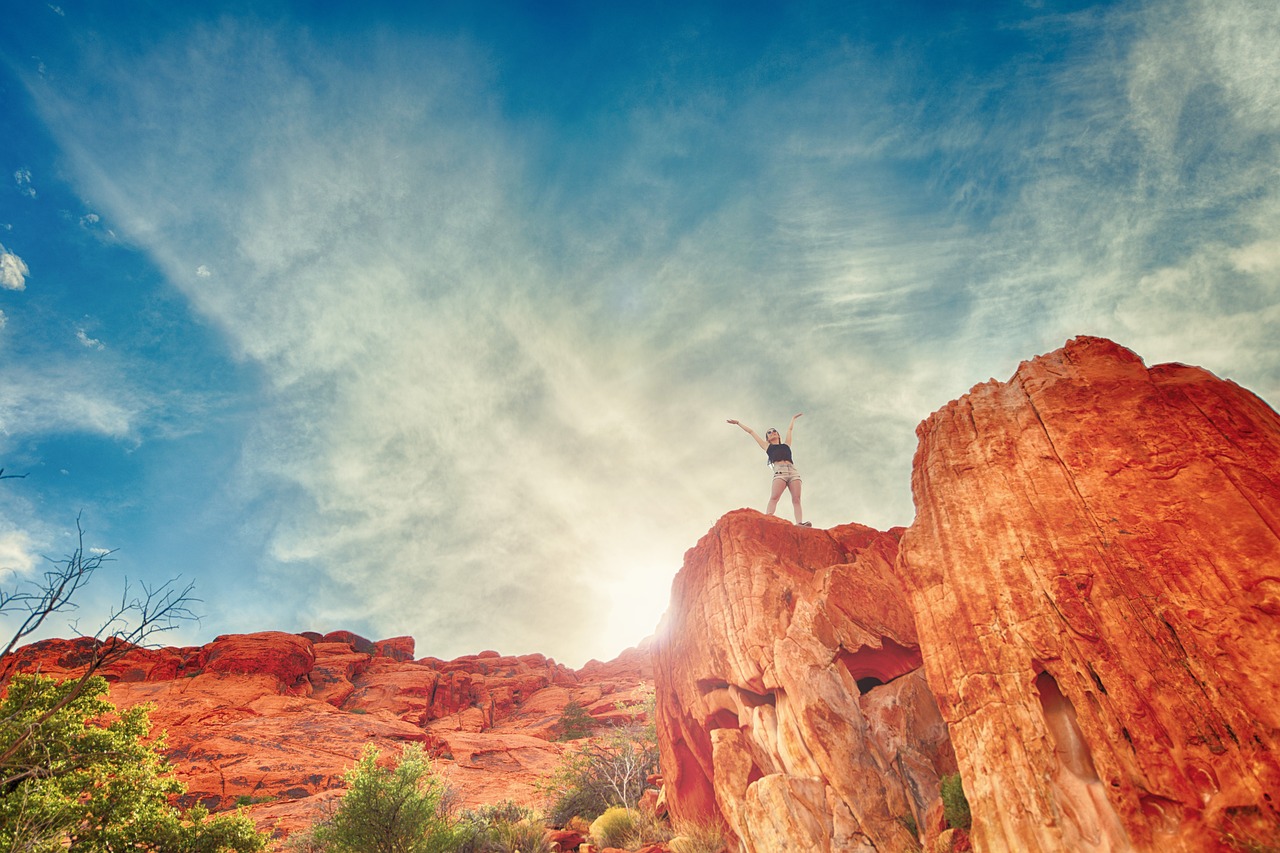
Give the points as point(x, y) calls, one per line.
point(786, 472)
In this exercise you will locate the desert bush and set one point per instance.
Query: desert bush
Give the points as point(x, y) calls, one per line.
point(699, 836)
point(647, 828)
point(390, 810)
point(607, 770)
point(574, 723)
point(955, 806)
point(505, 827)
point(615, 828)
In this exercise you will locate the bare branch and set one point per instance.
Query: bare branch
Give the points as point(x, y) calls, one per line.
point(144, 611)
point(55, 593)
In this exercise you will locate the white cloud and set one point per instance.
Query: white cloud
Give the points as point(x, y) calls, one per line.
point(66, 397)
point(4, 320)
point(203, 271)
point(16, 553)
point(92, 343)
point(22, 178)
point(89, 219)
point(13, 271)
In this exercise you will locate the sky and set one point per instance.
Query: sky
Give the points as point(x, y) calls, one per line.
point(428, 321)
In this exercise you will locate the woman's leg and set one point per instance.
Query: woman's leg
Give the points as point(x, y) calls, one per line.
point(778, 487)
point(794, 486)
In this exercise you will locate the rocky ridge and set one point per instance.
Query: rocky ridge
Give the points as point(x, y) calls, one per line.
point(274, 720)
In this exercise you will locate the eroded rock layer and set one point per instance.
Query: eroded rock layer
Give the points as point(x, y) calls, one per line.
point(1095, 575)
point(790, 699)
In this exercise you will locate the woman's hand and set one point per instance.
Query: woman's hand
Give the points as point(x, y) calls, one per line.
point(732, 421)
point(793, 417)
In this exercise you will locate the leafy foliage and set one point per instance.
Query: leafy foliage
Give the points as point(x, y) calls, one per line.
point(574, 722)
point(72, 781)
point(608, 770)
point(955, 806)
point(389, 810)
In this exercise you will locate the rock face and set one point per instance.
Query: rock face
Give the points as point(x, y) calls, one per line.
point(791, 704)
point(277, 719)
point(1093, 585)
point(1095, 574)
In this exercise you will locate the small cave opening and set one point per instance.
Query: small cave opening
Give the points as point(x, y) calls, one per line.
point(865, 684)
point(871, 667)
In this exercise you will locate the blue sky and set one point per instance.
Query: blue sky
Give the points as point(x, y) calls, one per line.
point(429, 323)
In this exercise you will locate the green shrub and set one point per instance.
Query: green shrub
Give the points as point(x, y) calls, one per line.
point(390, 810)
point(955, 806)
point(72, 783)
point(607, 770)
point(249, 800)
point(505, 827)
point(575, 723)
point(614, 828)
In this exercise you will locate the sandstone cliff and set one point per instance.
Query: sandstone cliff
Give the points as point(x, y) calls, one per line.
point(1092, 584)
point(790, 697)
point(1095, 573)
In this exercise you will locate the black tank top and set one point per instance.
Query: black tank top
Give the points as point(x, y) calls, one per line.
point(779, 453)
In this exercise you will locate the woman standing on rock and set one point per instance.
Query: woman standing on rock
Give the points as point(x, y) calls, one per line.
point(785, 475)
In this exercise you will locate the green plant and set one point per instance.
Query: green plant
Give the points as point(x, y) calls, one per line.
point(909, 821)
point(699, 836)
point(575, 722)
point(505, 827)
point(249, 800)
point(614, 828)
point(390, 810)
point(607, 770)
point(955, 806)
point(76, 775)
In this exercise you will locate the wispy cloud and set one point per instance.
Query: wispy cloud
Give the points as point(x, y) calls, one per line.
point(22, 178)
point(497, 361)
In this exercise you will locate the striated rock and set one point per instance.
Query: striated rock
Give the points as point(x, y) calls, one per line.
point(776, 638)
point(1095, 573)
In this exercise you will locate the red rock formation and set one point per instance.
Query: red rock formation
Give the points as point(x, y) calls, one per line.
point(281, 717)
point(787, 703)
point(1095, 573)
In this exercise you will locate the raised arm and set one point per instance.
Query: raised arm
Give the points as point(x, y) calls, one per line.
point(790, 427)
point(764, 445)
